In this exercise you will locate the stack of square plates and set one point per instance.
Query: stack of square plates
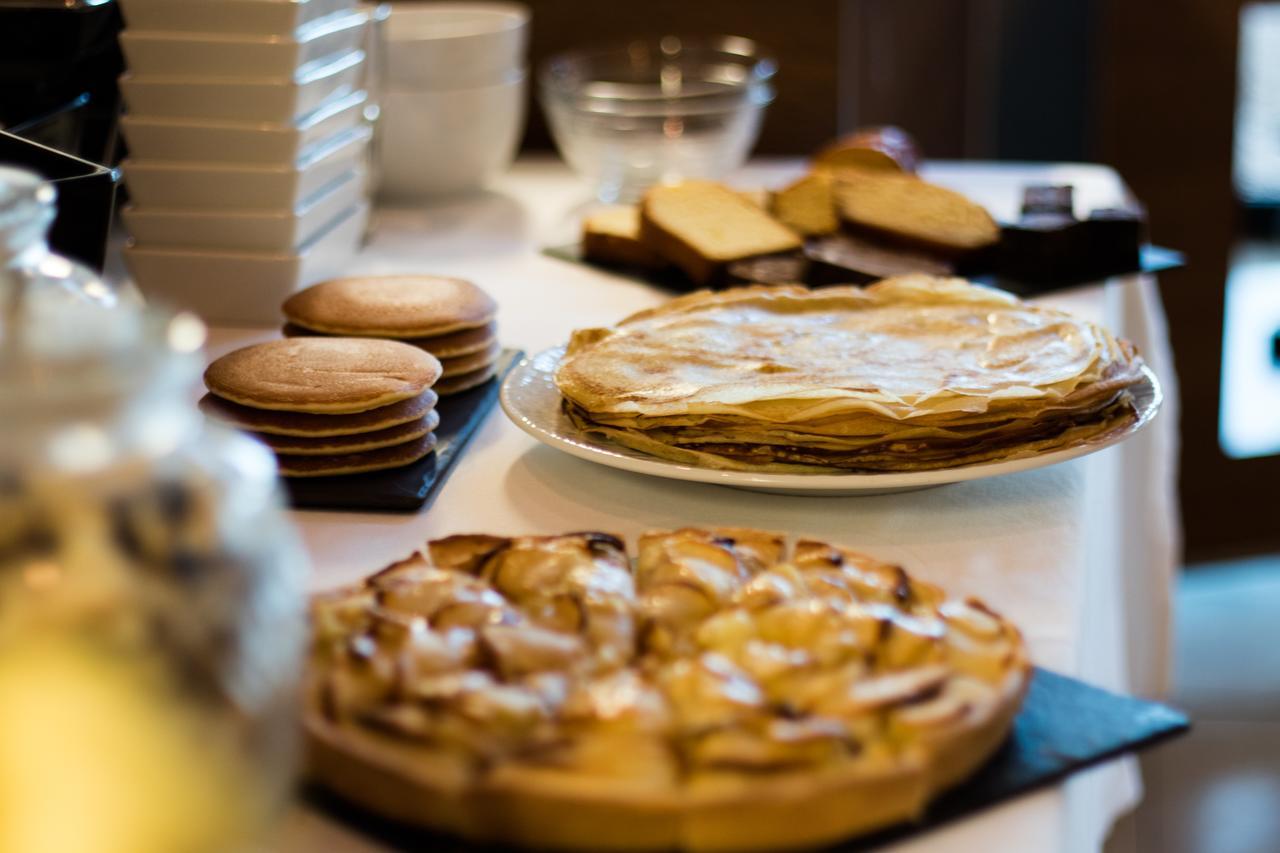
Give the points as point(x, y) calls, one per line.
point(248, 149)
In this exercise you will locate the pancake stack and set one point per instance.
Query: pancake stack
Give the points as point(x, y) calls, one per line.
point(912, 373)
point(329, 406)
point(448, 317)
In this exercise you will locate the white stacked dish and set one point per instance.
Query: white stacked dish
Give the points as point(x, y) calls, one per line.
point(248, 149)
point(235, 54)
point(255, 230)
point(453, 108)
point(153, 138)
point(229, 16)
point(232, 186)
point(247, 99)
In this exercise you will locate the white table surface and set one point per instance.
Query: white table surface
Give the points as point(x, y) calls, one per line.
point(1081, 555)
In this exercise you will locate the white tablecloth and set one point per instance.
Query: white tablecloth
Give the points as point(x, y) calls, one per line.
point(1080, 555)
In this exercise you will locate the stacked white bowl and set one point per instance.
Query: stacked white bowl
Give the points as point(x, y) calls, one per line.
point(453, 107)
point(248, 141)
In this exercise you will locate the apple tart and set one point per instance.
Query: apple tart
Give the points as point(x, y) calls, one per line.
point(721, 691)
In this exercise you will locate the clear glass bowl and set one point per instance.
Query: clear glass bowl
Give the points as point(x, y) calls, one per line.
point(652, 110)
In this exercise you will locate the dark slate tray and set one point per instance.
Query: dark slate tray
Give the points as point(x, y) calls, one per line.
point(1152, 259)
point(1065, 726)
point(409, 488)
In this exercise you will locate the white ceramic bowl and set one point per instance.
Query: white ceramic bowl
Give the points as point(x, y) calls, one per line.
point(234, 186)
point(279, 231)
point(244, 288)
point(443, 143)
point(241, 142)
point(259, 17)
point(454, 45)
point(225, 55)
point(264, 99)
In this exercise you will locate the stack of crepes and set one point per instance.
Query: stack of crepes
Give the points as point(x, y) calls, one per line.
point(911, 373)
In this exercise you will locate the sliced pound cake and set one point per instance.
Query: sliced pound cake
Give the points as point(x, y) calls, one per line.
point(913, 211)
point(702, 226)
point(612, 236)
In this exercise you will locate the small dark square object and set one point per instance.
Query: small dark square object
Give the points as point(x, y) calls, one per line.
point(1048, 198)
point(407, 489)
point(1042, 246)
point(1114, 235)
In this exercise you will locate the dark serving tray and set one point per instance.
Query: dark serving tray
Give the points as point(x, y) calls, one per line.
point(1152, 259)
point(1065, 726)
point(407, 489)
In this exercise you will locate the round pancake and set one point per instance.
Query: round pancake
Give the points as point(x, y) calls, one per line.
point(396, 456)
point(905, 348)
point(393, 306)
point(452, 367)
point(285, 445)
point(306, 425)
point(322, 375)
point(448, 345)
point(465, 381)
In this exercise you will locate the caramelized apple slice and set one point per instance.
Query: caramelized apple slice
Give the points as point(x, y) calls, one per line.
point(466, 552)
point(519, 651)
point(622, 699)
point(779, 744)
point(781, 583)
point(813, 625)
point(710, 692)
point(954, 703)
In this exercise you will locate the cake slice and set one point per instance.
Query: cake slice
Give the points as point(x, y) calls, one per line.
point(702, 226)
point(759, 196)
point(875, 148)
point(913, 211)
point(612, 236)
point(807, 206)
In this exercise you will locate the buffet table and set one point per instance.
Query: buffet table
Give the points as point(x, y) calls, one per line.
point(1081, 555)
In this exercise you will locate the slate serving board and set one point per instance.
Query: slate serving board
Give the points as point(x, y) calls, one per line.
point(1065, 726)
point(409, 488)
point(1152, 259)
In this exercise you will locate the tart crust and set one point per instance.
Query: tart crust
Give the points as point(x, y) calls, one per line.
point(925, 743)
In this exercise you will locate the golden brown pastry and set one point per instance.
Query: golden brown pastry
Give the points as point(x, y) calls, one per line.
point(724, 691)
point(702, 226)
point(912, 373)
point(909, 210)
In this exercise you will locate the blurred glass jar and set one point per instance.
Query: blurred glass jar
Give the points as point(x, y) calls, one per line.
point(27, 266)
point(150, 589)
point(628, 117)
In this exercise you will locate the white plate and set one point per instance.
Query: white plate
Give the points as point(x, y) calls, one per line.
point(225, 55)
point(245, 288)
point(252, 17)
point(235, 186)
point(248, 142)
point(266, 99)
point(530, 398)
point(280, 231)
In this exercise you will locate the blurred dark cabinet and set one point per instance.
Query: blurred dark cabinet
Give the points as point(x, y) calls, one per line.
point(59, 60)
